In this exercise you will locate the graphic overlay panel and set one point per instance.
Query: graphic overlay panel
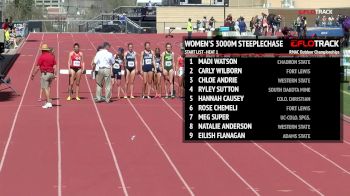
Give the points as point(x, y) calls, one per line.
point(271, 89)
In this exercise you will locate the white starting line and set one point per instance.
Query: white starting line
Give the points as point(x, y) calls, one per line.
point(66, 72)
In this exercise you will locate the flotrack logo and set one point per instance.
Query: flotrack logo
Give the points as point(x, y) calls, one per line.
point(314, 43)
point(315, 12)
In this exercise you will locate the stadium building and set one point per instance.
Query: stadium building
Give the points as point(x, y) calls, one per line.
point(175, 13)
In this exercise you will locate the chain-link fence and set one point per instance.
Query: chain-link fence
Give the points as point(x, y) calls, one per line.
point(96, 25)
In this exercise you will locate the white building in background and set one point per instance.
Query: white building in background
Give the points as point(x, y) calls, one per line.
point(48, 3)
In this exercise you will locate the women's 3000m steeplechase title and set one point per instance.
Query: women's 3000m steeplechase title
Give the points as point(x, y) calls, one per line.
point(251, 89)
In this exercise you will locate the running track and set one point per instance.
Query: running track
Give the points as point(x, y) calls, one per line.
point(85, 149)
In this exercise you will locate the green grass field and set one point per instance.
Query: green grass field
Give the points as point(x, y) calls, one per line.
point(346, 98)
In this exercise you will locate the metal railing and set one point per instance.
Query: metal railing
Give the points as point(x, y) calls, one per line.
point(103, 26)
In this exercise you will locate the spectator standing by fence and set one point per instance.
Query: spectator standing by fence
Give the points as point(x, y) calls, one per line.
point(251, 24)
point(304, 26)
point(198, 25)
point(236, 25)
point(330, 21)
point(7, 35)
point(189, 28)
point(211, 23)
point(5, 25)
point(278, 22)
point(11, 25)
point(257, 27)
point(265, 24)
point(242, 26)
point(317, 21)
point(13, 38)
point(122, 20)
point(324, 21)
point(299, 26)
point(228, 21)
point(204, 23)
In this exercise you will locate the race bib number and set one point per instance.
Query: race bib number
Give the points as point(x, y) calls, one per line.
point(76, 63)
point(168, 63)
point(116, 66)
point(148, 61)
point(131, 63)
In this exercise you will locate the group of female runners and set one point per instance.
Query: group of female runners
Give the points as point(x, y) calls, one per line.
point(152, 66)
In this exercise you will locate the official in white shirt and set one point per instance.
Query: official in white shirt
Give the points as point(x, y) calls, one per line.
point(104, 61)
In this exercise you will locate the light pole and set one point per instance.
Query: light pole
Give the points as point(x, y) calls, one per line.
point(225, 4)
point(2, 10)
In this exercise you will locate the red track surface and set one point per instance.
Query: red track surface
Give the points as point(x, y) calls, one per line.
point(84, 149)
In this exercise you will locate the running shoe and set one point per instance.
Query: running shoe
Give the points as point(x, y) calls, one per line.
point(69, 98)
point(97, 100)
point(77, 98)
point(148, 97)
point(47, 105)
point(39, 100)
point(172, 96)
point(166, 97)
point(132, 97)
point(143, 97)
point(125, 97)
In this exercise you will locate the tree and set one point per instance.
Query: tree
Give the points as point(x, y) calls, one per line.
point(23, 10)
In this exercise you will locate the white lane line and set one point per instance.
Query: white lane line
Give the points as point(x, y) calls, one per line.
point(290, 171)
point(163, 150)
point(159, 144)
point(306, 183)
point(261, 148)
point(213, 149)
point(59, 149)
point(106, 133)
point(219, 155)
point(329, 160)
point(17, 112)
point(232, 169)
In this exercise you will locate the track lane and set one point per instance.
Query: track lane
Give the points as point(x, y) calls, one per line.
point(156, 120)
point(33, 150)
point(147, 171)
point(18, 74)
point(86, 159)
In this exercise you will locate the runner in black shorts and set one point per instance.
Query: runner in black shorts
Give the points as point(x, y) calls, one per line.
point(118, 69)
point(131, 70)
point(147, 63)
point(158, 73)
point(76, 67)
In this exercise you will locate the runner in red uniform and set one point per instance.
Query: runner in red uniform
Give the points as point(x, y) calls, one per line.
point(76, 67)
